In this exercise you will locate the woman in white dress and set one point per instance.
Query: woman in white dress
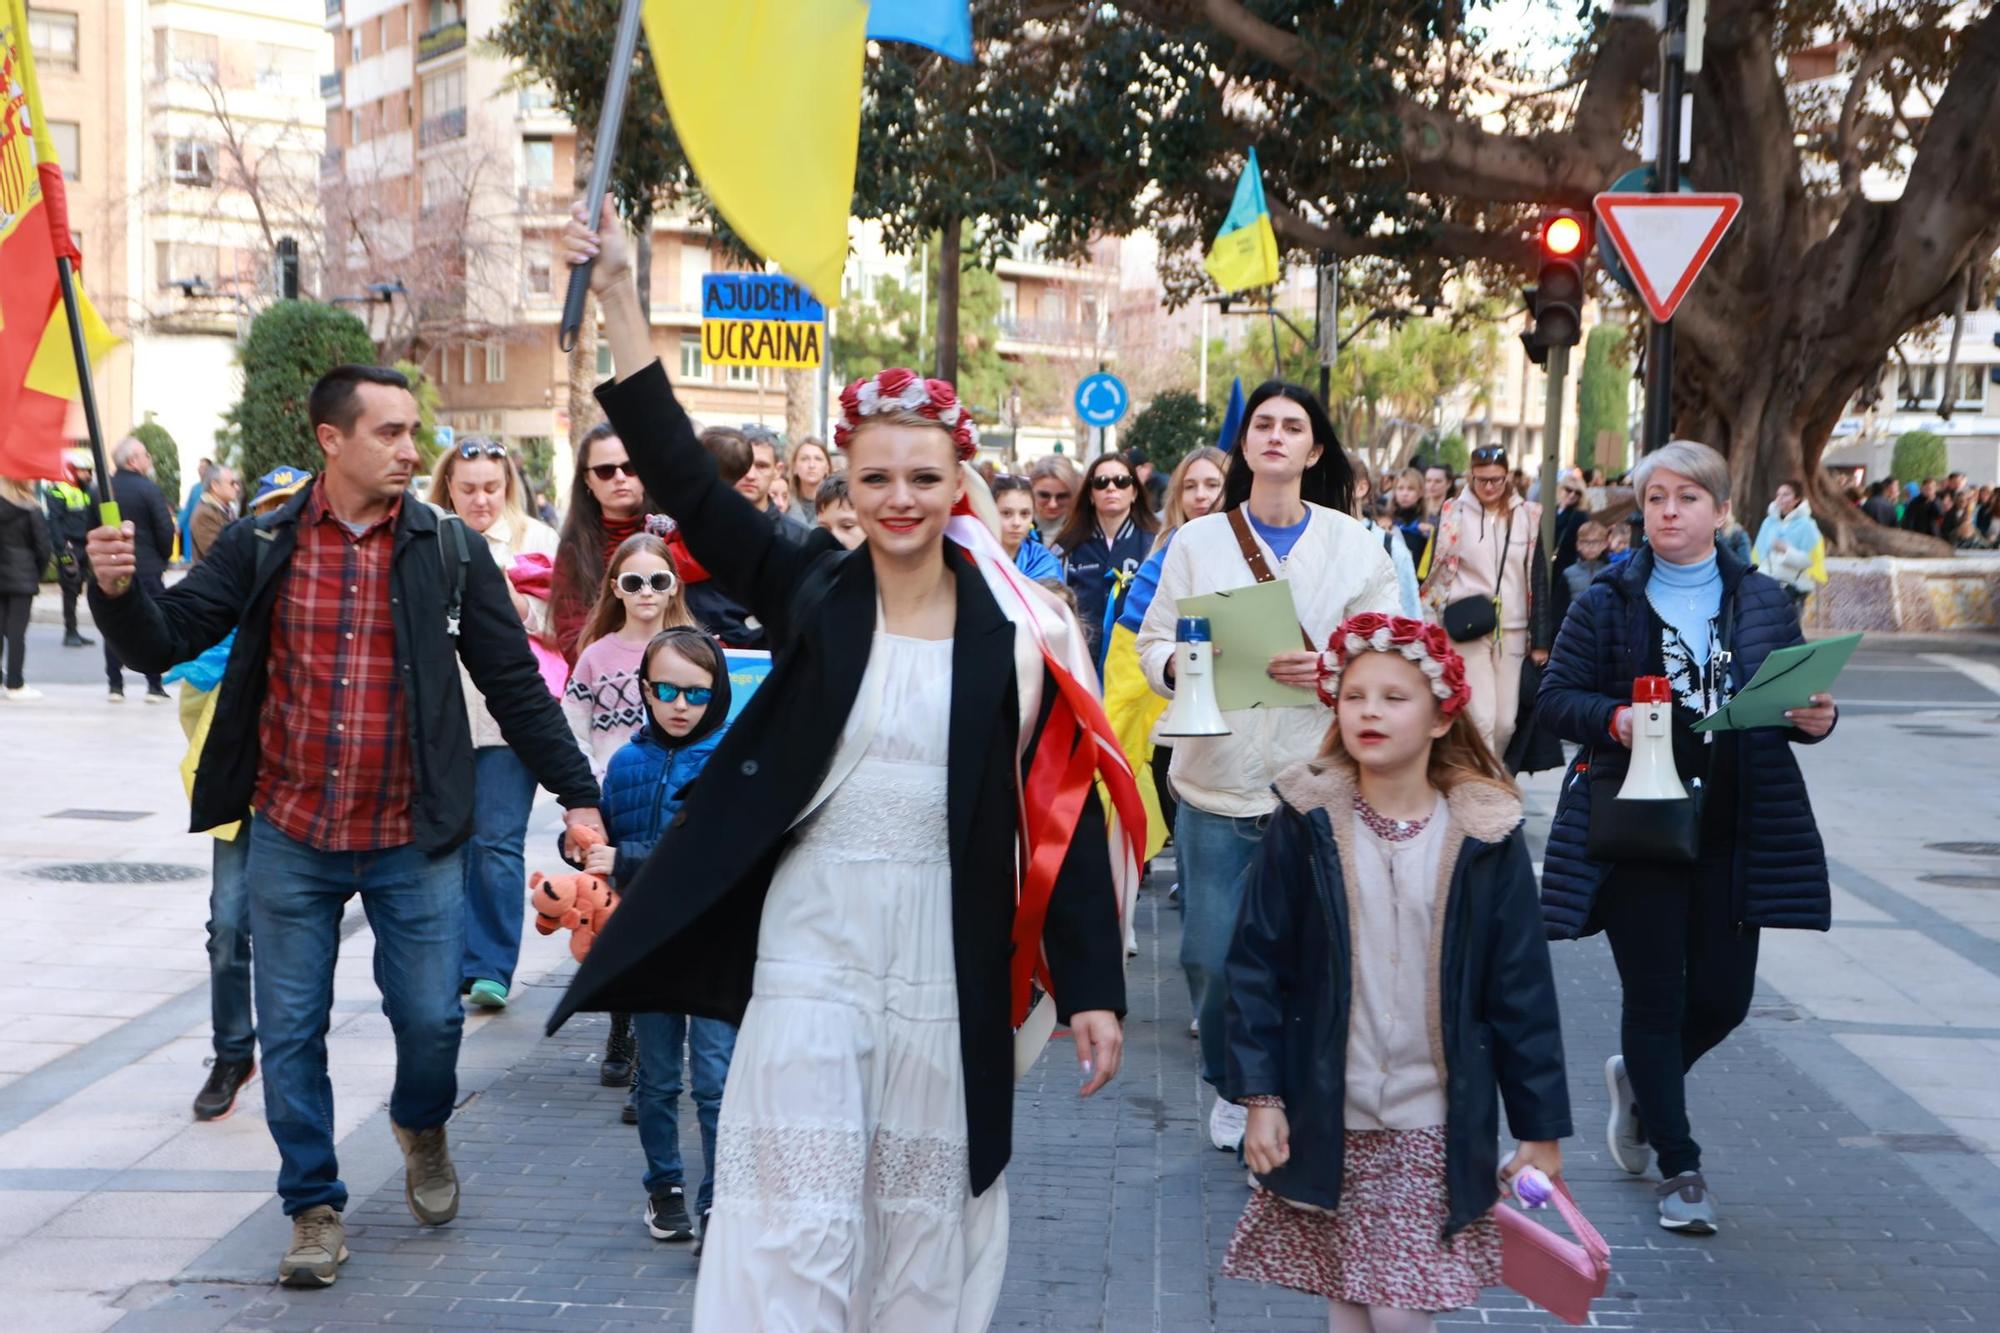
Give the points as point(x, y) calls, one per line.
point(842, 882)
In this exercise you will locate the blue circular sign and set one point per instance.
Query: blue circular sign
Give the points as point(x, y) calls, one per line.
point(1101, 399)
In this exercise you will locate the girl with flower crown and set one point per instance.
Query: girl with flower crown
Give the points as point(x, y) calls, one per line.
point(1389, 987)
point(841, 882)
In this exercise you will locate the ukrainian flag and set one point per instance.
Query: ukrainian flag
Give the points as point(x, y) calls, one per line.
point(1129, 701)
point(1245, 253)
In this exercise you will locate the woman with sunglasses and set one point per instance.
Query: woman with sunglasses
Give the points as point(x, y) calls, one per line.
point(1487, 580)
point(607, 505)
point(477, 481)
point(843, 875)
point(1107, 538)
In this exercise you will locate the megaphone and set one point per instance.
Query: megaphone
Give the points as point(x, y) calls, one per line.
point(1193, 711)
point(1652, 776)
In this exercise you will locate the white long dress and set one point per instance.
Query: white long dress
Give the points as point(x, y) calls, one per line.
point(842, 1188)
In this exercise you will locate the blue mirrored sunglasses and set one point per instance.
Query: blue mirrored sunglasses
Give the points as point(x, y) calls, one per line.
point(697, 695)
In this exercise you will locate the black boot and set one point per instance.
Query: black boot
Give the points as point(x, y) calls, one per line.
point(616, 1072)
point(217, 1097)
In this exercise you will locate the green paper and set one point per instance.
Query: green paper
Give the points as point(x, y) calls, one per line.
point(1249, 626)
point(1788, 679)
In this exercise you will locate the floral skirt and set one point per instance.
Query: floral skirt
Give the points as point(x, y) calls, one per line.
point(1382, 1245)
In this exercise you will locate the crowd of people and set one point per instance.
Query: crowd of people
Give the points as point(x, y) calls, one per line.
point(836, 900)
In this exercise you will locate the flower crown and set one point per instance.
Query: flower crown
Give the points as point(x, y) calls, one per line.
point(900, 390)
point(1426, 645)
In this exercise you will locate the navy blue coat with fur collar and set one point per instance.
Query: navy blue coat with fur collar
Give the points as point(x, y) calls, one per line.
point(1779, 862)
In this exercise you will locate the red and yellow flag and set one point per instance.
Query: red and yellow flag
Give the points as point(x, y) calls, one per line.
point(38, 372)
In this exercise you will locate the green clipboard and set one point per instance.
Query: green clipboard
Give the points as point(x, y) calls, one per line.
point(1788, 679)
point(1251, 625)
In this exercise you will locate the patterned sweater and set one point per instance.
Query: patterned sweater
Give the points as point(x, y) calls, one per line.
point(603, 702)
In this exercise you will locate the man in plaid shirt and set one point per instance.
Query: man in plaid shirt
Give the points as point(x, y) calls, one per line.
point(341, 724)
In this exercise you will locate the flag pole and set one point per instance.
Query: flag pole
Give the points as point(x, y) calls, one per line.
point(608, 122)
point(107, 508)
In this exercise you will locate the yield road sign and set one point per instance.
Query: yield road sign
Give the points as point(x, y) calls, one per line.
point(1665, 239)
point(1101, 399)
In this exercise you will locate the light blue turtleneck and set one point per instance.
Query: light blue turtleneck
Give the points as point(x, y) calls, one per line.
point(1687, 598)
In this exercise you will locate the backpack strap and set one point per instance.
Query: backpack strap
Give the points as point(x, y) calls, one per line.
point(454, 571)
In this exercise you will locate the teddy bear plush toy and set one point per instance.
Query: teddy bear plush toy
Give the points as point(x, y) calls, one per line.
point(577, 902)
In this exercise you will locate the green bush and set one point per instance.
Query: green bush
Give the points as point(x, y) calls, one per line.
point(290, 346)
point(1451, 451)
point(1919, 455)
point(166, 459)
point(1172, 426)
point(1603, 408)
point(426, 395)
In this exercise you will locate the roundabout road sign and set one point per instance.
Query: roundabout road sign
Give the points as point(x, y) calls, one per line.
point(1101, 400)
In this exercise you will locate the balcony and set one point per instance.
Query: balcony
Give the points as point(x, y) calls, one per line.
point(441, 41)
point(541, 200)
point(329, 87)
point(1048, 332)
point(331, 161)
point(333, 11)
point(442, 128)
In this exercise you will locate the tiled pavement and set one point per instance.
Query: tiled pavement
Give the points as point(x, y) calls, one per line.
point(1121, 1211)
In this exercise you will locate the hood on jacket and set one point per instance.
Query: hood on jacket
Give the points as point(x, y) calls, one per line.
point(717, 715)
point(1485, 811)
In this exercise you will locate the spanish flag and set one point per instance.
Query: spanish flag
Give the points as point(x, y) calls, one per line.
point(1245, 253)
point(38, 372)
point(766, 98)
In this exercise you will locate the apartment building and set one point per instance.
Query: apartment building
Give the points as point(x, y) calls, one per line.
point(445, 187)
point(190, 134)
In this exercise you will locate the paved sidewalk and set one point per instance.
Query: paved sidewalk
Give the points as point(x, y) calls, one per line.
point(1121, 1211)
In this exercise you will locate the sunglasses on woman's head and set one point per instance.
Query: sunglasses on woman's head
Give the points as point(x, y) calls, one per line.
point(1489, 453)
point(697, 695)
point(480, 449)
point(659, 581)
point(606, 471)
point(1104, 481)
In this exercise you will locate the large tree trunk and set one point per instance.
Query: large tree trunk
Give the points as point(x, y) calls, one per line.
point(801, 413)
point(949, 257)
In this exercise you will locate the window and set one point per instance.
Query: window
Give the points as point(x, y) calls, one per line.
point(1918, 386)
point(538, 164)
point(273, 67)
point(536, 282)
point(354, 127)
point(1086, 313)
point(603, 359)
point(743, 374)
point(197, 55)
point(1049, 309)
point(467, 358)
point(52, 37)
point(354, 46)
point(444, 12)
point(691, 367)
point(694, 267)
point(193, 163)
point(68, 141)
point(538, 98)
point(444, 92)
point(1010, 301)
point(178, 262)
point(496, 363)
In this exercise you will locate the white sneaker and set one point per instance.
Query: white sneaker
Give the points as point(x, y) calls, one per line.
point(1622, 1133)
point(1226, 1124)
point(25, 692)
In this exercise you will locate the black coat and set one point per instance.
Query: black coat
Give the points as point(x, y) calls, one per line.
point(233, 588)
point(1494, 1031)
point(25, 549)
point(684, 939)
point(141, 504)
point(1778, 861)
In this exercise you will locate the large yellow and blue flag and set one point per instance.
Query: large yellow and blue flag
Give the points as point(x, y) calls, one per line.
point(945, 26)
point(1245, 253)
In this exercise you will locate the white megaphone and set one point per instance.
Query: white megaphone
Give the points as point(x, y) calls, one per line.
point(1652, 776)
point(1193, 711)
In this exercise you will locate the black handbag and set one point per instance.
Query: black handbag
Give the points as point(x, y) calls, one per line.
point(1655, 832)
point(1471, 618)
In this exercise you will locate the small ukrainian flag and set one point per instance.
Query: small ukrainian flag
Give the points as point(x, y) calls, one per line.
point(1245, 253)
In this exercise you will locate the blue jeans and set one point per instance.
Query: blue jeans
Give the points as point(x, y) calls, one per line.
point(229, 949)
point(1215, 852)
point(657, 1089)
point(496, 877)
point(416, 907)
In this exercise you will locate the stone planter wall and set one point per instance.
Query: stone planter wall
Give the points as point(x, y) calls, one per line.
point(1909, 596)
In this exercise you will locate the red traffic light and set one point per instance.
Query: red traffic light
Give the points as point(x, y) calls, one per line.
point(1562, 236)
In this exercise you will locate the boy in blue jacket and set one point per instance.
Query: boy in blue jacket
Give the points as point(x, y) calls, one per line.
point(685, 679)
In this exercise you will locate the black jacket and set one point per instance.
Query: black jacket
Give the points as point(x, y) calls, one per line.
point(1610, 637)
point(236, 588)
point(141, 504)
point(684, 939)
point(1494, 1029)
point(25, 549)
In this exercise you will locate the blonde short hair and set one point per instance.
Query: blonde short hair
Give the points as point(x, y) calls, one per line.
point(1691, 459)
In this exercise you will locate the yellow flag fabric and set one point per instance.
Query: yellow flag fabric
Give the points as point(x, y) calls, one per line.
point(1133, 708)
point(53, 370)
point(1245, 252)
point(766, 98)
point(1817, 570)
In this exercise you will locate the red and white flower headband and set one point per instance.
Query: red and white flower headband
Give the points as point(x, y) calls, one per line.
point(900, 390)
point(1426, 645)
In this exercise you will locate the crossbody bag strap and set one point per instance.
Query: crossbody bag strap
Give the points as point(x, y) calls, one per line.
point(1253, 556)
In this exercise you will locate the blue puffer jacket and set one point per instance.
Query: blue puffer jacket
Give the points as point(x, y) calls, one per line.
point(643, 788)
point(1779, 860)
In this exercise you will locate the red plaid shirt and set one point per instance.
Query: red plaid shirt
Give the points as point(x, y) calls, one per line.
point(335, 768)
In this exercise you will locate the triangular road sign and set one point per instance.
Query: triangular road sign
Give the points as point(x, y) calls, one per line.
point(1665, 239)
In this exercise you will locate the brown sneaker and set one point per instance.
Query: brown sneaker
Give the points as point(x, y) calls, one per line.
point(319, 1248)
point(430, 1185)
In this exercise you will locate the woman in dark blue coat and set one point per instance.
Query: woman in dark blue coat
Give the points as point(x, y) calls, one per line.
point(1684, 938)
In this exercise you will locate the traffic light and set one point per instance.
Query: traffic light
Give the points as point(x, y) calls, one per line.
point(1555, 302)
